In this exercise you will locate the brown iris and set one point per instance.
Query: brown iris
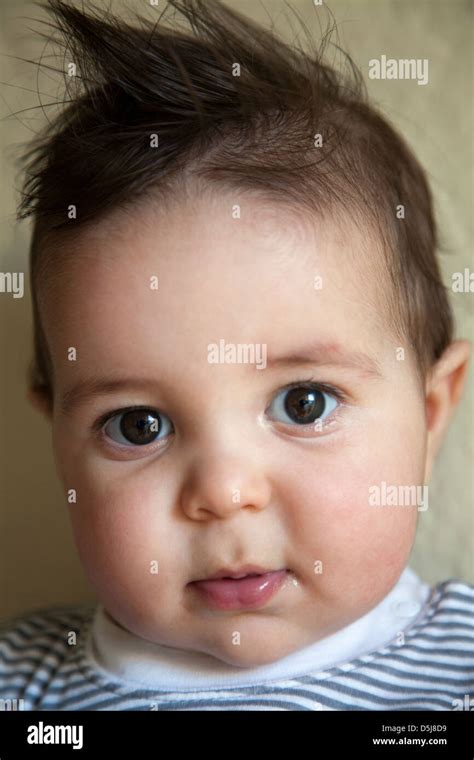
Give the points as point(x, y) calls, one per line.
point(140, 427)
point(304, 405)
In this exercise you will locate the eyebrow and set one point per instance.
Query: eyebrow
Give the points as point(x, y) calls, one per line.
point(330, 355)
point(84, 390)
point(316, 354)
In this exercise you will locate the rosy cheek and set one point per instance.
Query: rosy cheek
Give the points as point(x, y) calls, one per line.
point(332, 512)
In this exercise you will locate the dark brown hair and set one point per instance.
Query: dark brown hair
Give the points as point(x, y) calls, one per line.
point(236, 107)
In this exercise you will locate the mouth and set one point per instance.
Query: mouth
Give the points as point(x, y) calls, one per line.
point(237, 573)
point(246, 587)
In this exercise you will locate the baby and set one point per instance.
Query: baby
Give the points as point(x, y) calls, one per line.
point(245, 350)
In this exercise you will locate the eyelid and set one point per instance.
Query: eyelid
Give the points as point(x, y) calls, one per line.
point(326, 387)
point(100, 422)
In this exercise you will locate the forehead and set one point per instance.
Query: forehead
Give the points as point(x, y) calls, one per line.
point(227, 266)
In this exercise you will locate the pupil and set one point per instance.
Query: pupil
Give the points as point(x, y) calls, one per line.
point(139, 427)
point(304, 406)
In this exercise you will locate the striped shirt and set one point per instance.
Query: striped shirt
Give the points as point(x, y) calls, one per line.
point(430, 667)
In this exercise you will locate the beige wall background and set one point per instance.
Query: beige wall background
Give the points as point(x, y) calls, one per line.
point(38, 562)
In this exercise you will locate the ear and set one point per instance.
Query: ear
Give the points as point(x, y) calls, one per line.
point(41, 401)
point(444, 389)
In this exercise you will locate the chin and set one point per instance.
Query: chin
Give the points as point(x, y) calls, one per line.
point(251, 657)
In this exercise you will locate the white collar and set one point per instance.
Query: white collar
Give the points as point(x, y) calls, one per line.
point(136, 661)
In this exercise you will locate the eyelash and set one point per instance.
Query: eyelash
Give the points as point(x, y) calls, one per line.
point(319, 386)
point(331, 390)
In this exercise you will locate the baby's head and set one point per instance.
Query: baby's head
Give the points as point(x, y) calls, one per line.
point(241, 333)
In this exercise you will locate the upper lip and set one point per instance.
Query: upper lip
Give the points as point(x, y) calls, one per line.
point(238, 572)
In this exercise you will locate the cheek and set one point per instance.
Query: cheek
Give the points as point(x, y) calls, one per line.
point(122, 528)
point(333, 520)
point(129, 554)
point(337, 520)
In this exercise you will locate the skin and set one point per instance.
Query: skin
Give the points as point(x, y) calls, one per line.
point(303, 492)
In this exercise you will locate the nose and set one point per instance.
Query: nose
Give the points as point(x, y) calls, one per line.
point(218, 486)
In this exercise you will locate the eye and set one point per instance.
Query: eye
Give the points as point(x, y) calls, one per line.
point(302, 404)
point(138, 427)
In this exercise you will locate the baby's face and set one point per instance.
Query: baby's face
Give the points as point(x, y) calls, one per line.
point(229, 464)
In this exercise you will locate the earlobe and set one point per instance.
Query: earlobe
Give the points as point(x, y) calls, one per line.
point(41, 401)
point(444, 389)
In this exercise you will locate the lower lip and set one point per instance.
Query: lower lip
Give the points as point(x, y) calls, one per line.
point(241, 593)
